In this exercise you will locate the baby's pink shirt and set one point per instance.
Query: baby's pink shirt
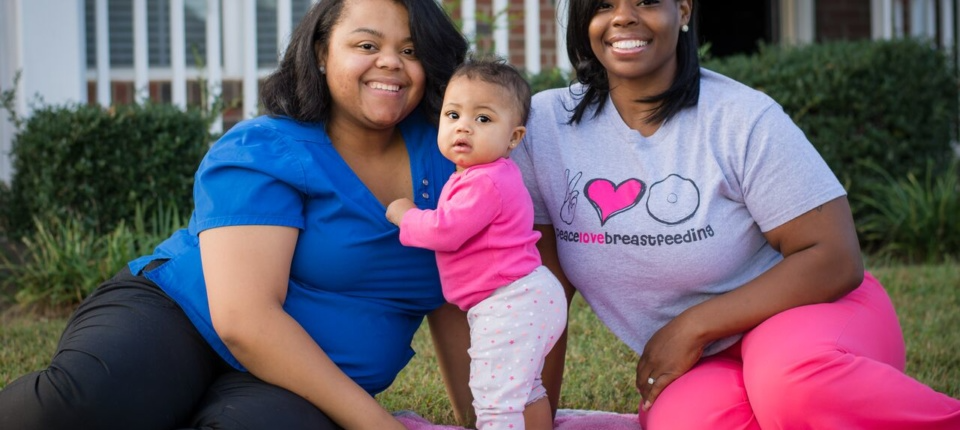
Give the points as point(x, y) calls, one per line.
point(482, 232)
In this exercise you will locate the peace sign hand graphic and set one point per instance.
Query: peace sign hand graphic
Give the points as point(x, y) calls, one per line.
point(567, 211)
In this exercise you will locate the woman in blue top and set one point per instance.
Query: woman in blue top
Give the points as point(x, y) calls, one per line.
point(288, 301)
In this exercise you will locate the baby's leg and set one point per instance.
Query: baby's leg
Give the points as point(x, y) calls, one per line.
point(510, 334)
point(537, 415)
point(496, 381)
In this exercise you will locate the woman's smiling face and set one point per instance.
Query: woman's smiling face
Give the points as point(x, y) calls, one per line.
point(637, 40)
point(371, 65)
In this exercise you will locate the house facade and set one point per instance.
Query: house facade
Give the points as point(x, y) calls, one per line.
point(122, 51)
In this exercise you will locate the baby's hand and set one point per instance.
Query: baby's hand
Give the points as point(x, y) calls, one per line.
point(397, 208)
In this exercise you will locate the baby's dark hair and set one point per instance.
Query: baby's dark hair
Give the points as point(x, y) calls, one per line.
point(495, 70)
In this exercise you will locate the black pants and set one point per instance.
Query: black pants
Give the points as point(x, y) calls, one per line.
point(130, 359)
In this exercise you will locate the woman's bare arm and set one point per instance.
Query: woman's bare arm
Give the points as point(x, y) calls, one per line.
point(553, 367)
point(247, 269)
point(451, 339)
point(822, 262)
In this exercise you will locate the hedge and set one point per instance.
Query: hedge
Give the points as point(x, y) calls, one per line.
point(97, 165)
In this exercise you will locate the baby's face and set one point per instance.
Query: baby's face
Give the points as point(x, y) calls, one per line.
point(479, 122)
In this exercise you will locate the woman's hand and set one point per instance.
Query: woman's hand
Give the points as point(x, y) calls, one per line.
point(671, 352)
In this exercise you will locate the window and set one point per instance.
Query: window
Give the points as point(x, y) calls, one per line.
point(120, 16)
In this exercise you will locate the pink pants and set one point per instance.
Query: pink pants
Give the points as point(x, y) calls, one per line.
point(510, 334)
point(827, 366)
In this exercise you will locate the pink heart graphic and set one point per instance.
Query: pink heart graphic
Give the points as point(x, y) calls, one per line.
point(609, 199)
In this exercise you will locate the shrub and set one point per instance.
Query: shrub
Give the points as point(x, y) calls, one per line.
point(890, 104)
point(65, 261)
point(94, 166)
point(913, 218)
point(4, 203)
point(547, 79)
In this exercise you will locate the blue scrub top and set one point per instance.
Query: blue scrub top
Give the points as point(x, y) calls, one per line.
point(356, 290)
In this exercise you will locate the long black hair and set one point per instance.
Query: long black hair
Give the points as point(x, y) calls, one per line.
point(683, 92)
point(298, 90)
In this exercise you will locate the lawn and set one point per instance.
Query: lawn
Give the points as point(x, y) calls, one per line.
point(599, 370)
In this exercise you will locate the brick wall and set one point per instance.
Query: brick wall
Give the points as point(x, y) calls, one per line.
point(515, 21)
point(232, 95)
point(843, 20)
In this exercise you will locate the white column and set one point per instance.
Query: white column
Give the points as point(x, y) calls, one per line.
point(178, 56)
point(881, 19)
point(141, 83)
point(898, 27)
point(807, 21)
point(531, 35)
point(10, 60)
point(918, 18)
point(956, 19)
point(930, 19)
point(44, 40)
point(52, 53)
point(501, 29)
point(214, 68)
point(563, 61)
point(946, 25)
point(956, 62)
point(104, 86)
point(468, 11)
point(284, 26)
point(250, 84)
point(798, 21)
point(233, 38)
point(787, 24)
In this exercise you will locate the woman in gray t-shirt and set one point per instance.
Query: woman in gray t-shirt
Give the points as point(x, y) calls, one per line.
point(707, 233)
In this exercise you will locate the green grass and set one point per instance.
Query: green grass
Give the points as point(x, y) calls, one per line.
point(928, 305)
point(26, 344)
point(600, 371)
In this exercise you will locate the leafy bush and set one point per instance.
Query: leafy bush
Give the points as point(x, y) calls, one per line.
point(94, 166)
point(547, 79)
point(65, 261)
point(917, 219)
point(4, 203)
point(891, 104)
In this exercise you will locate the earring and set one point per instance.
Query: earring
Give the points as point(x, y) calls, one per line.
point(323, 70)
point(685, 28)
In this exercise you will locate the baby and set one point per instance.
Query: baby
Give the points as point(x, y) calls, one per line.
point(482, 232)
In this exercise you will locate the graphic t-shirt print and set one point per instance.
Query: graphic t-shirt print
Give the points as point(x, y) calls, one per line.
point(670, 201)
point(609, 199)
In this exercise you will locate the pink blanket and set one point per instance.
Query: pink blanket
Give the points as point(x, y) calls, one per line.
point(567, 419)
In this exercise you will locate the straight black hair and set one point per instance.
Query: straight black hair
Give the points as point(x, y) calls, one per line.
point(683, 92)
point(298, 90)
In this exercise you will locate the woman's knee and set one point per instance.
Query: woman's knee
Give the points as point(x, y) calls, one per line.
point(239, 397)
point(75, 397)
point(711, 395)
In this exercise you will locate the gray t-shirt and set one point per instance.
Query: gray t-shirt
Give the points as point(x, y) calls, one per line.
point(647, 227)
